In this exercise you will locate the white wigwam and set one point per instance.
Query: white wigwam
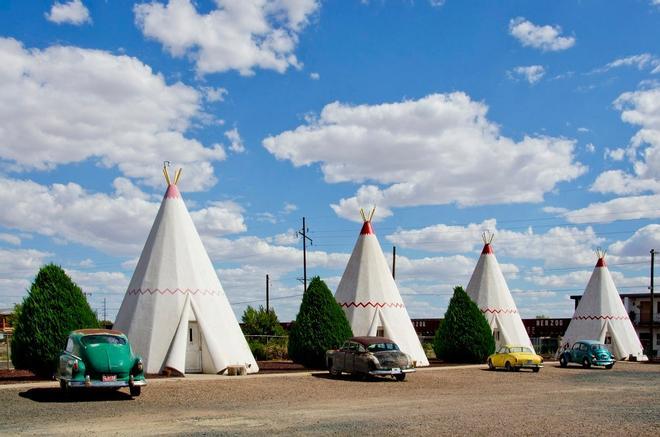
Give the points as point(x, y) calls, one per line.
point(489, 290)
point(601, 316)
point(175, 312)
point(370, 298)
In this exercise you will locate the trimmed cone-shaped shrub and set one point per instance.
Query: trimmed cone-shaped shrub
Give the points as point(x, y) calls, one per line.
point(464, 336)
point(53, 308)
point(320, 325)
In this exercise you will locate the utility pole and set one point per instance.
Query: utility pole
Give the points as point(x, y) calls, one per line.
point(267, 297)
point(393, 262)
point(652, 302)
point(105, 312)
point(303, 234)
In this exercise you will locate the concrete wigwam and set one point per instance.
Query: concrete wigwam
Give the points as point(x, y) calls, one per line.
point(370, 298)
point(175, 311)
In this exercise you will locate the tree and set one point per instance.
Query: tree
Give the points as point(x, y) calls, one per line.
point(320, 325)
point(262, 324)
point(53, 308)
point(465, 336)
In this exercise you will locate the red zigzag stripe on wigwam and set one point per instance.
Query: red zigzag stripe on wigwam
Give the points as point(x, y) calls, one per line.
point(174, 291)
point(372, 304)
point(498, 311)
point(601, 318)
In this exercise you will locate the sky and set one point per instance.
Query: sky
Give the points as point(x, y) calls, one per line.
point(536, 121)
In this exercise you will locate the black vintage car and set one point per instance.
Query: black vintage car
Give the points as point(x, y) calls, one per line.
point(377, 356)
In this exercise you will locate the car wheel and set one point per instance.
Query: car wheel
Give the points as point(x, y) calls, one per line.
point(400, 377)
point(334, 372)
point(490, 365)
point(562, 361)
point(536, 369)
point(135, 390)
point(609, 366)
point(585, 363)
point(508, 367)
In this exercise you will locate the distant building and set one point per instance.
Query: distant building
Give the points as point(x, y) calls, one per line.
point(5, 320)
point(638, 306)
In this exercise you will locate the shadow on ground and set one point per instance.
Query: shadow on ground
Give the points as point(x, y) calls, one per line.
point(55, 395)
point(348, 377)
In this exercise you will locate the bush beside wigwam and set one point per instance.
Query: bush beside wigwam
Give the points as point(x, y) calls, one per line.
point(53, 308)
point(261, 325)
point(464, 336)
point(320, 325)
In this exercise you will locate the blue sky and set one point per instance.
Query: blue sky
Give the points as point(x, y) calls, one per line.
point(538, 121)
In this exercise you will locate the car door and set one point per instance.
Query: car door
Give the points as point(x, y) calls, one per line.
point(499, 357)
point(338, 357)
point(349, 357)
point(360, 361)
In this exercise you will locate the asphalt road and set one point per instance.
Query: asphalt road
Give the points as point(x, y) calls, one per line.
point(441, 401)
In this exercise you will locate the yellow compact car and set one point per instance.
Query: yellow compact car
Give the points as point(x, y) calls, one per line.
point(514, 358)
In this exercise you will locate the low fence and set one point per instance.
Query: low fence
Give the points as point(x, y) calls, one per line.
point(5, 351)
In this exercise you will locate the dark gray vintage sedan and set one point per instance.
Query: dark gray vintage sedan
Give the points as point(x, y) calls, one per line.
point(377, 356)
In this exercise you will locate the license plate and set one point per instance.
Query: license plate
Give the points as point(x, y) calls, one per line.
point(529, 361)
point(396, 370)
point(109, 378)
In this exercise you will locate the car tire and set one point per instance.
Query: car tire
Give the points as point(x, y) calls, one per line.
point(400, 377)
point(563, 362)
point(334, 372)
point(135, 390)
point(536, 369)
point(585, 363)
point(508, 367)
point(490, 365)
point(609, 366)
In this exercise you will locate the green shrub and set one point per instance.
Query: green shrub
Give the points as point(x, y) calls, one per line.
point(258, 327)
point(464, 336)
point(53, 308)
point(320, 325)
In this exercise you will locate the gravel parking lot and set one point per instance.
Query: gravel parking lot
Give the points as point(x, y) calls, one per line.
point(464, 400)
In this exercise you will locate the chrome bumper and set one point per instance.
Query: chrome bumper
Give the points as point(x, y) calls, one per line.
point(106, 384)
point(530, 366)
point(390, 372)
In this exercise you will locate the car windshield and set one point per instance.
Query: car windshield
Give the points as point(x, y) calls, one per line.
point(525, 350)
point(379, 347)
point(102, 339)
point(595, 347)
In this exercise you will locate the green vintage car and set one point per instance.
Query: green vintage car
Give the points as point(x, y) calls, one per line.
point(100, 358)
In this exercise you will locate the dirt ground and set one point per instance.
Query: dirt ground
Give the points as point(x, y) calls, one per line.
point(437, 401)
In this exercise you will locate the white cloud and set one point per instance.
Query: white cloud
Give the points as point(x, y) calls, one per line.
point(289, 208)
point(71, 214)
point(436, 150)
point(314, 76)
point(219, 218)
point(590, 148)
point(531, 73)
point(639, 244)
point(214, 94)
point(640, 108)
point(18, 267)
point(622, 208)
point(437, 3)
point(615, 154)
point(288, 238)
point(554, 210)
point(545, 38)
point(557, 246)
point(619, 182)
point(641, 62)
point(73, 12)
point(582, 130)
point(10, 239)
point(64, 105)
point(236, 142)
point(237, 35)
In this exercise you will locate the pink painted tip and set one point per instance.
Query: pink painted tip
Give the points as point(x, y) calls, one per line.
point(487, 249)
point(367, 229)
point(601, 262)
point(172, 192)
